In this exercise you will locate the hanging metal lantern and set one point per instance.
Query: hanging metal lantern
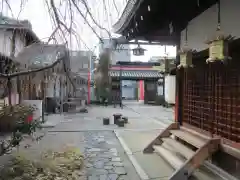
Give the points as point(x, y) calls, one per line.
point(185, 57)
point(185, 53)
point(166, 65)
point(138, 51)
point(218, 47)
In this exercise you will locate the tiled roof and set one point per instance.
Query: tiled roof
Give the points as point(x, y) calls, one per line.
point(23, 25)
point(40, 54)
point(127, 14)
point(136, 74)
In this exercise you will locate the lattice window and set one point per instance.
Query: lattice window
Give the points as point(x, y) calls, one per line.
point(212, 99)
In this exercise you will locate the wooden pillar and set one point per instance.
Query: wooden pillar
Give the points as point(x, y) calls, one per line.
point(9, 85)
point(179, 93)
point(141, 90)
point(19, 89)
point(89, 87)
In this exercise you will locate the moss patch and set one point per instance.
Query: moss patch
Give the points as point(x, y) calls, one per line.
point(62, 165)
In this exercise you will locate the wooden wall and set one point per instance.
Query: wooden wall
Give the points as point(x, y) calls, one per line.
point(211, 97)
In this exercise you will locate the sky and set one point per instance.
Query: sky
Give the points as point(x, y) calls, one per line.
point(106, 15)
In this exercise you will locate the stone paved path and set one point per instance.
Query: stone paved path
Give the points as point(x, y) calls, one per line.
point(102, 159)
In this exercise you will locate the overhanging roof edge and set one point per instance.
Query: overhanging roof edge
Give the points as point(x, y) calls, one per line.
point(128, 12)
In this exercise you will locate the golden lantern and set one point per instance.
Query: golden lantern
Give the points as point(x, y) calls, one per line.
point(218, 47)
point(185, 57)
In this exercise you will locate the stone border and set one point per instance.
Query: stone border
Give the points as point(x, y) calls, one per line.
point(154, 120)
point(133, 160)
point(84, 130)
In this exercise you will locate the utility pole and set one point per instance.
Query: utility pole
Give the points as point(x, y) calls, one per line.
point(61, 95)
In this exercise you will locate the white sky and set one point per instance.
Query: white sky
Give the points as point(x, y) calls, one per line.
point(36, 12)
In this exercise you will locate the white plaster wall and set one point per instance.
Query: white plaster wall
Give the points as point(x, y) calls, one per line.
point(204, 26)
point(5, 42)
point(50, 89)
point(20, 44)
point(57, 83)
point(170, 89)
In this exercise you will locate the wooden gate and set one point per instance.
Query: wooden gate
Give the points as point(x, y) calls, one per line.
point(211, 99)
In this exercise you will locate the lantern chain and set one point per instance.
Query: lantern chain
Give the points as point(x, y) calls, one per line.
point(186, 35)
point(219, 15)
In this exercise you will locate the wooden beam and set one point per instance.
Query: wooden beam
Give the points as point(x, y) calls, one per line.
point(226, 146)
point(158, 140)
point(196, 160)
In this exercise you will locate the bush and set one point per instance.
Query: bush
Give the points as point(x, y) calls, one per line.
point(18, 120)
point(12, 117)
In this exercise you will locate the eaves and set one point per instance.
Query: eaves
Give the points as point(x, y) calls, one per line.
point(128, 13)
point(22, 28)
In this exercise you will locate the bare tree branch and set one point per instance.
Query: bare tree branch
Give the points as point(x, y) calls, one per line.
point(93, 19)
point(80, 12)
point(2, 75)
point(115, 6)
point(9, 7)
point(22, 5)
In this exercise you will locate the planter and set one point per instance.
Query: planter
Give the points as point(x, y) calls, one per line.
point(83, 110)
point(117, 117)
point(65, 107)
point(121, 123)
point(125, 119)
point(106, 121)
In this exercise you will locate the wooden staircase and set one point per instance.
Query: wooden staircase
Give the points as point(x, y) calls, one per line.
point(183, 150)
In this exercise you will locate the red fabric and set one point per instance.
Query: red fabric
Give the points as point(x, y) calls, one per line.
point(29, 118)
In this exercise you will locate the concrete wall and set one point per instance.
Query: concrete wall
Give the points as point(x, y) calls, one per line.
point(204, 26)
